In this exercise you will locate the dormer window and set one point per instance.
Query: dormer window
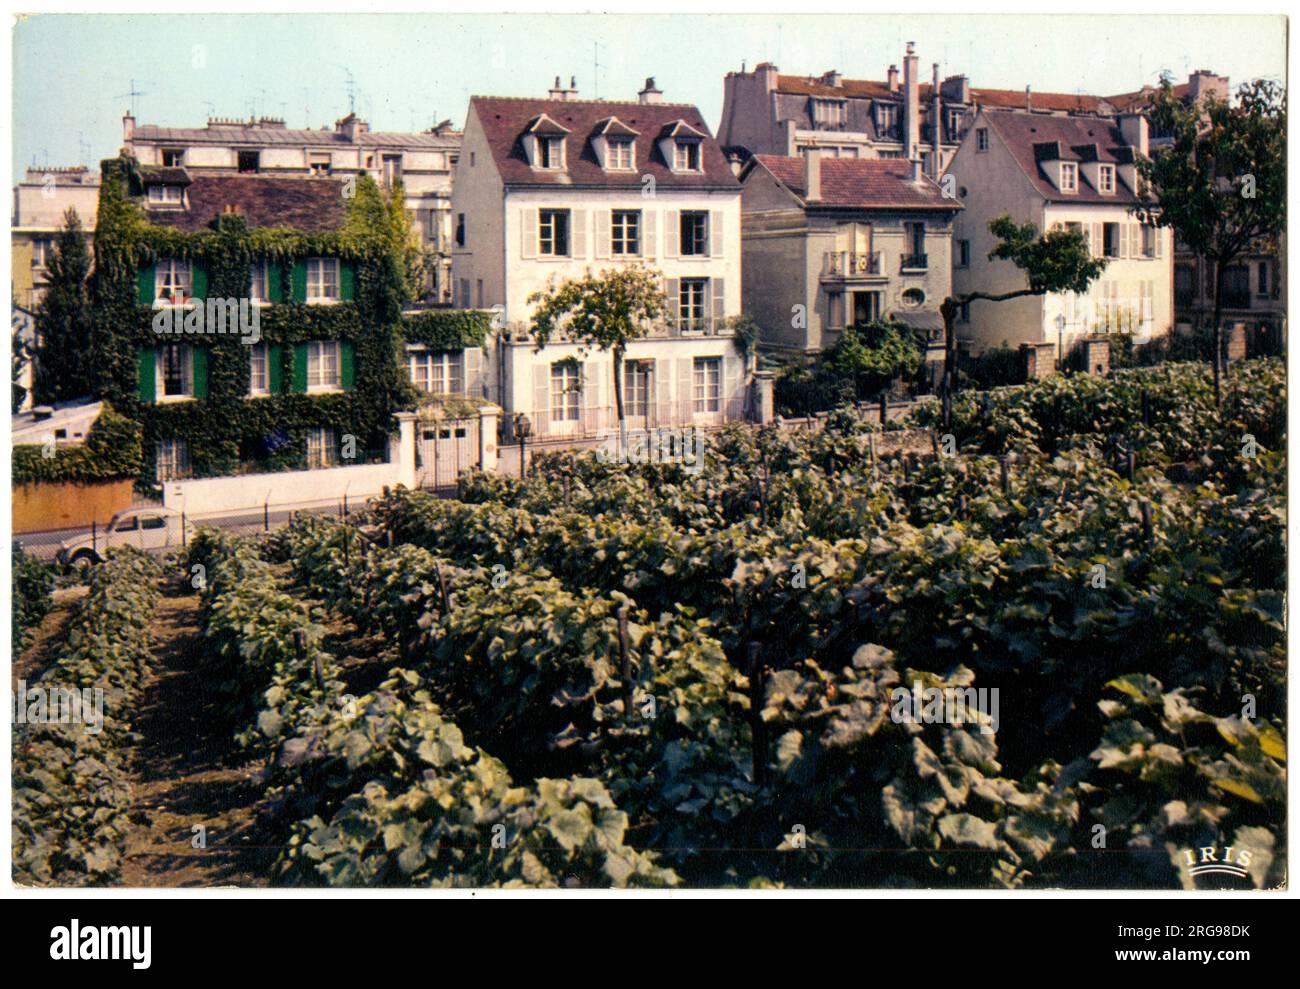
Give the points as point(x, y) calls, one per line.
point(686, 156)
point(1069, 176)
point(619, 155)
point(829, 114)
point(1106, 179)
point(550, 152)
point(164, 195)
point(173, 158)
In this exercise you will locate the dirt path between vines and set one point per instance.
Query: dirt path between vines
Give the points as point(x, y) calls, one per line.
point(183, 774)
point(48, 637)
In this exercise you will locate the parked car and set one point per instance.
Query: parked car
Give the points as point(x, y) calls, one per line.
point(153, 530)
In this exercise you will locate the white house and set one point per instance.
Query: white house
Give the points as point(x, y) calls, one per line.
point(549, 189)
point(1076, 172)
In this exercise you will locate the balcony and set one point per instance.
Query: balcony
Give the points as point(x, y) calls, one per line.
point(849, 264)
point(915, 262)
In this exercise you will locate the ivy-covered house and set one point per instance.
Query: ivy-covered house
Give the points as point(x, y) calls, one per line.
point(251, 323)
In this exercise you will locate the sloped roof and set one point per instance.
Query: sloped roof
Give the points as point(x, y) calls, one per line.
point(312, 205)
point(505, 120)
point(1014, 99)
point(271, 136)
point(1002, 98)
point(1141, 99)
point(1032, 139)
point(861, 183)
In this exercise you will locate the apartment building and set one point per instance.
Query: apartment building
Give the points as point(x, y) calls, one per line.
point(835, 242)
point(549, 189)
point(1076, 172)
point(265, 146)
point(41, 202)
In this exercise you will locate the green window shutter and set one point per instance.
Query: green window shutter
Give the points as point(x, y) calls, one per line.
point(347, 280)
point(275, 368)
point(300, 281)
point(146, 285)
point(199, 288)
point(300, 367)
point(200, 372)
point(148, 383)
point(274, 279)
point(347, 365)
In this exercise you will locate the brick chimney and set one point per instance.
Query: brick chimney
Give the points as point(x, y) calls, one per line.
point(936, 122)
point(893, 78)
point(812, 175)
point(1203, 83)
point(558, 92)
point(351, 127)
point(1133, 128)
point(128, 126)
point(650, 93)
point(911, 102)
point(1029, 100)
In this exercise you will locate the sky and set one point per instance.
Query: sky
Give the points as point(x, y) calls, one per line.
point(73, 74)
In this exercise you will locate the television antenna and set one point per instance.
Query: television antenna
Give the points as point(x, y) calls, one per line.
point(134, 95)
point(596, 66)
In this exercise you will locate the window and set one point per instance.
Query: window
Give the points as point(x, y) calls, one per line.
point(323, 373)
point(887, 120)
point(259, 381)
point(322, 279)
point(686, 156)
point(1106, 179)
point(636, 387)
point(913, 298)
point(172, 280)
point(953, 124)
point(258, 287)
point(173, 158)
point(129, 524)
point(1149, 235)
point(460, 229)
point(915, 239)
point(1110, 240)
point(566, 388)
point(708, 384)
point(694, 233)
point(153, 522)
point(553, 232)
point(829, 114)
point(964, 315)
point(691, 296)
point(172, 460)
point(392, 170)
point(550, 152)
point(322, 451)
point(248, 161)
point(320, 164)
point(164, 195)
point(42, 251)
point(618, 155)
point(963, 254)
point(625, 232)
point(981, 138)
point(1184, 285)
point(1263, 279)
point(438, 372)
point(175, 370)
point(1236, 287)
point(1069, 176)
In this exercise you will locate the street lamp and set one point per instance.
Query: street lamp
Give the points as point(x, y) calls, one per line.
point(522, 429)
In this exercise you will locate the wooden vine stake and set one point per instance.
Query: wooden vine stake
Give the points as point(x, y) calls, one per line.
point(625, 660)
point(1005, 475)
point(1131, 466)
point(758, 728)
point(442, 587)
point(1145, 507)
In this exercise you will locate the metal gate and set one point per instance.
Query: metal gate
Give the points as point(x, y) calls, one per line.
point(445, 449)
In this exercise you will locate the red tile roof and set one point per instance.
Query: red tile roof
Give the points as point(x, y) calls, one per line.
point(312, 205)
point(1015, 99)
point(1140, 100)
point(1032, 138)
point(861, 183)
point(505, 119)
point(1005, 98)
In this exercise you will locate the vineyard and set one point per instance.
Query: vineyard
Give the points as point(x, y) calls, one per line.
point(647, 675)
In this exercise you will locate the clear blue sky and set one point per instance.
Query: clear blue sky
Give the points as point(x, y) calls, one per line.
point(72, 72)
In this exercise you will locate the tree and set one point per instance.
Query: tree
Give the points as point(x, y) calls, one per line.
point(606, 311)
point(64, 321)
point(1220, 183)
point(1058, 261)
point(21, 356)
point(873, 355)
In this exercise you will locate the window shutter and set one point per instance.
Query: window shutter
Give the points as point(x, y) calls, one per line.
point(648, 236)
point(541, 396)
point(347, 280)
point(672, 232)
point(199, 282)
point(663, 391)
point(1159, 238)
point(674, 301)
point(528, 227)
point(299, 281)
point(200, 371)
point(148, 380)
point(274, 281)
point(347, 364)
point(578, 235)
point(300, 367)
point(147, 283)
point(716, 236)
point(274, 368)
point(731, 382)
point(473, 364)
point(604, 218)
point(719, 301)
point(685, 390)
point(1098, 240)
